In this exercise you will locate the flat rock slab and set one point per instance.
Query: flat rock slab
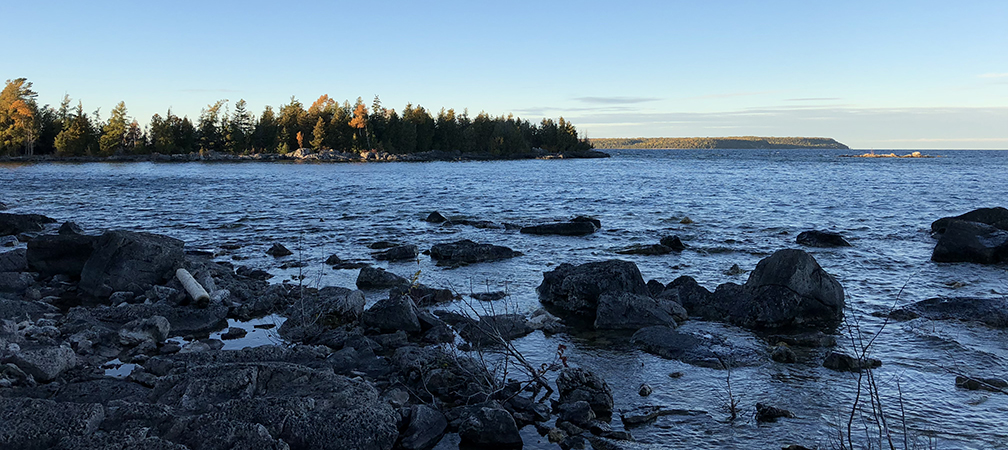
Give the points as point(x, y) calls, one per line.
point(469, 252)
point(32, 424)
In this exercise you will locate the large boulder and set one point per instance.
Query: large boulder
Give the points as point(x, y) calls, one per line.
point(127, 260)
point(469, 252)
point(378, 278)
point(30, 424)
point(576, 289)
point(328, 307)
point(695, 298)
point(16, 282)
point(11, 224)
point(561, 228)
point(425, 428)
point(976, 242)
point(14, 261)
point(153, 329)
point(45, 363)
point(996, 217)
point(626, 311)
point(60, 253)
point(489, 426)
point(816, 238)
point(393, 314)
point(787, 291)
point(577, 384)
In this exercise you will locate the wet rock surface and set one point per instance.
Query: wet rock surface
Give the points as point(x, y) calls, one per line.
point(469, 252)
point(975, 242)
point(816, 238)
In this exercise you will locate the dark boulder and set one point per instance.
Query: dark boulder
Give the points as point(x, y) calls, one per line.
point(469, 252)
point(996, 217)
point(425, 428)
point(578, 384)
point(398, 253)
point(435, 217)
point(561, 228)
point(13, 224)
point(787, 291)
point(60, 254)
point(14, 261)
point(378, 278)
point(645, 249)
point(978, 383)
point(337, 263)
point(489, 426)
point(576, 289)
point(579, 413)
point(423, 295)
point(152, 329)
point(655, 287)
point(69, 227)
point(279, 251)
point(816, 238)
point(626, 311)
point(45, 363)
point(992, 312)
point(16, 282)
point(491, 330)
point(695, 298)
point(488, 296)
point(123, 260)
point(591, 220)
point(846, 363)
point(393, 314)
point(971, 242)
point(766, 413)
point(673, 242)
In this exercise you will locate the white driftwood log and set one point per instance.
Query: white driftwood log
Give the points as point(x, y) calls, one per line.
point(191, 286)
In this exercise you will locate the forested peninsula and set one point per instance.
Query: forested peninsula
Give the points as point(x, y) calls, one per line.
point(325, 130)
point(734, 142)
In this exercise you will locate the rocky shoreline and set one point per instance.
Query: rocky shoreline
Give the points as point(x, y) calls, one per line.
point(308, 155)
point(401, 373)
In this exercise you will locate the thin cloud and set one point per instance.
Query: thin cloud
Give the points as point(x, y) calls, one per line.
point(729, 95)
point(993, 75)
point(813, 99)
point(616, 100)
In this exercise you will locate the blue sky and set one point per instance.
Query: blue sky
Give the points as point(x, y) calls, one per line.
point(904, 75)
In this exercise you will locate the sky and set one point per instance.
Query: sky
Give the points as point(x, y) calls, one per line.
point(873, 75)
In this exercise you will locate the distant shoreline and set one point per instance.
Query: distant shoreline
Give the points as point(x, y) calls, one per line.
point(306, 155)
point(730, 142)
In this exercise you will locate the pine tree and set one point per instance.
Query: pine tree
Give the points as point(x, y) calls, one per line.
point(114, 132)
point(318, 134)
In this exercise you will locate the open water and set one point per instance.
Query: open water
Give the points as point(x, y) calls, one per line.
point(744, 205)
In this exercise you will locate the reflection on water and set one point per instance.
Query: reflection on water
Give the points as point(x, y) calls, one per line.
point(743, 204)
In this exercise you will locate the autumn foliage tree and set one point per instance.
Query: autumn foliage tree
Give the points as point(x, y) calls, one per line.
point(17, 117)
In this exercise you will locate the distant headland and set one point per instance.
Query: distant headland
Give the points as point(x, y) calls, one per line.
point(732, 142)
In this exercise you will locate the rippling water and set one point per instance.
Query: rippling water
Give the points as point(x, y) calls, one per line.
point(744, 204)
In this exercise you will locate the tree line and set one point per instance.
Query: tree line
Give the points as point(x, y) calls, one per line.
point(67, 130)
point(734, 142)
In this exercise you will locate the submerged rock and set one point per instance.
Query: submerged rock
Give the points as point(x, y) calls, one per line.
point(648, 250)
point(673, 242)
point(846, 363)
point(816, 238)
point(435, 217)
point(992, 312)
point(469, 252)
point(767, 413)
point(975, 242)
point(398, 253)
point(978, 383)
point(698, 349)
point(561, 228)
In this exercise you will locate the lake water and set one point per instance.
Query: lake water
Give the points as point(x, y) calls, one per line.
point(744, 205)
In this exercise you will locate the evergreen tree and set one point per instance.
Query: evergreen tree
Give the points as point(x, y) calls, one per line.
point(77, 138)
point(318, 134)
point(113, 136)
